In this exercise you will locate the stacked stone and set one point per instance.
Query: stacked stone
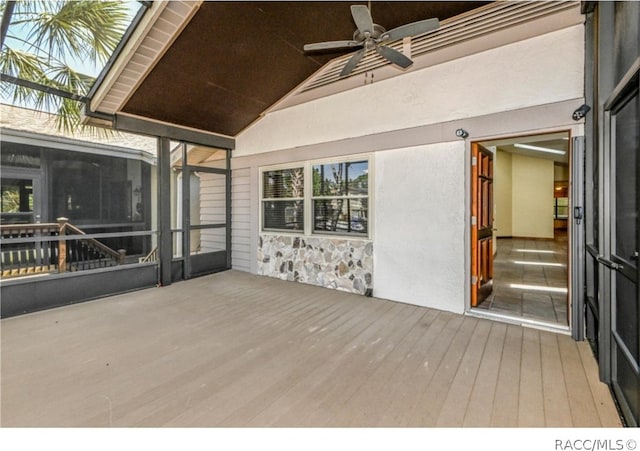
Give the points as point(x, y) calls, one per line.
point(340, 264)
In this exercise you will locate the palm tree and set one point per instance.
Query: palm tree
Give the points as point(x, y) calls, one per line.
point(40, 38)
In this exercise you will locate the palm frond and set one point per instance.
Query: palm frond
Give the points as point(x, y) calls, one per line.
point(64, 77)
point(86, 29)
point(68, 116)
point(105, 23)
point(22, 65)
point(68, 119)
point(51, 33)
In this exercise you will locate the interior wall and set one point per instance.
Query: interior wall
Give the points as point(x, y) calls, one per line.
point(532, 197)
point(420, 225)
point(560, 173)
point(502, 186)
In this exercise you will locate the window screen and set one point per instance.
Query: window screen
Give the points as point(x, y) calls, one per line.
point(283, 199)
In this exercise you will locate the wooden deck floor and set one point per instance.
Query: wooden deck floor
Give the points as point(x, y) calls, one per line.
point(233, 349)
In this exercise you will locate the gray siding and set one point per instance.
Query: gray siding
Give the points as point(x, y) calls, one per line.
point(241, 219)
point(212, 211)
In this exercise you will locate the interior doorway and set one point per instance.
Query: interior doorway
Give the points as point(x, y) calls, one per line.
point(520, 212)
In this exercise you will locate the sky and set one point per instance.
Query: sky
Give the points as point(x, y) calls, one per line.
point(17, 35)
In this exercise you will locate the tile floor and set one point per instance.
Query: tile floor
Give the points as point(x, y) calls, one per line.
point(530, 279)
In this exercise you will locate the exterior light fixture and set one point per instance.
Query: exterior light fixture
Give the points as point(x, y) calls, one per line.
point(462, 133)
point(581, 112)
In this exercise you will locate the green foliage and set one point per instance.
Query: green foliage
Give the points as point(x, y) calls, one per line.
point(10, 201)
point(56, 32)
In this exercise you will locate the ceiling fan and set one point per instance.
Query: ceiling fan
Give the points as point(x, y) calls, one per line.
point(369, 35)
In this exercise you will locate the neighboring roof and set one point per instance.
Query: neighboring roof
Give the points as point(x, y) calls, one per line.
point(43, 125)
point(217, 66)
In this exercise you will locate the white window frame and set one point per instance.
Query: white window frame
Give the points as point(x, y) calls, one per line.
point(309, 197)
point(263, 199)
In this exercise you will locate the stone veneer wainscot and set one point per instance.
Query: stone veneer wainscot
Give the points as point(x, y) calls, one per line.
point(343, 264)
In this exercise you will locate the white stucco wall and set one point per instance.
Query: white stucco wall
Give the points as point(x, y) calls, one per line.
point(419, 201)
point(537, 71)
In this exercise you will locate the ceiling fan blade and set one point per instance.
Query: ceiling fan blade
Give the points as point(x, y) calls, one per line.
point(352, 63)
point(362, 18)
point(394, 56)
point(411, 29)
point(331, 45)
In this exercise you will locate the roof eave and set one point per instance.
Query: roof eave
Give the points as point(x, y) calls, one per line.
point(156, 30)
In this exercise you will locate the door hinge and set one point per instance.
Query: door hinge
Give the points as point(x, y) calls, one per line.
point(474, 161)
point(474, 280)
point(474, 220)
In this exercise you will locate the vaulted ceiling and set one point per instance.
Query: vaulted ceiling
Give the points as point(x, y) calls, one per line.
point(235, 59)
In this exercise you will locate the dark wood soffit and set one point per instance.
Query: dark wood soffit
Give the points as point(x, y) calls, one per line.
point(235, 59)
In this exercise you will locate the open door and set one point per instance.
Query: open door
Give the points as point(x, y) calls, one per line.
point(481, 223)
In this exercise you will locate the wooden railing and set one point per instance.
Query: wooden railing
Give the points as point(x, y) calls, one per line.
point(41, 248)
point(150, 257)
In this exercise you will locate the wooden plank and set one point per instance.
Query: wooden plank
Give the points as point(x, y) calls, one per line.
point(429, 403)
point(232, 392)
point(459, 391)
point(581, 403)
point(369, 402)
point(556, 402)
point(600, 391)
point(217, 327)
point(233, 349)
point(417, 369)
point(505, 406)
point(531, 403)
point(237, 367)
point(309, 370)
point(355, 367)
point(292, 402)
point(288, 363)
point(480, 407)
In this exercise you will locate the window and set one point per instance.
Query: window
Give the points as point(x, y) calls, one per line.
point(283, 199)
point(561, 208)
point(340, 197)
point(336, 200)
point(17, 201)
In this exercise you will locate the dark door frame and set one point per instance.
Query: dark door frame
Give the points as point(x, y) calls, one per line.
point(611, 264)
point(195, 265)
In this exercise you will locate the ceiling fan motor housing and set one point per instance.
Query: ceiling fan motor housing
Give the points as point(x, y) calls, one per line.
point(369, 41)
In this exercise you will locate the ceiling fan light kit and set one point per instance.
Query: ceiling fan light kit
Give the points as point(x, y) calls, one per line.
point(371, 36)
